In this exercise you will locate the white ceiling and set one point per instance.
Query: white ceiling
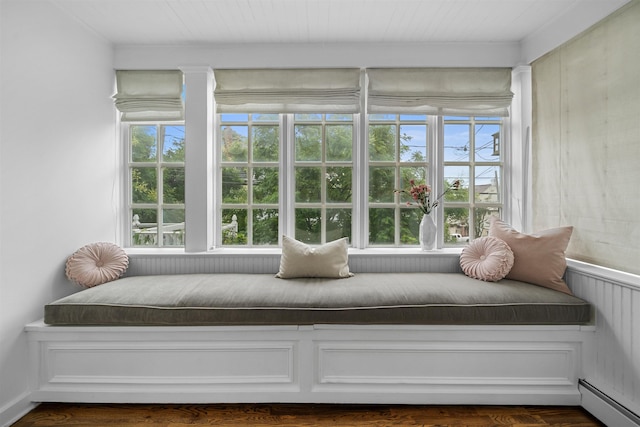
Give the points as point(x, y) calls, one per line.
point(202, 22)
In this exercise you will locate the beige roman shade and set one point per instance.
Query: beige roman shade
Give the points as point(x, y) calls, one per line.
point(149, 95)
point(288, 90)
point(440, 91)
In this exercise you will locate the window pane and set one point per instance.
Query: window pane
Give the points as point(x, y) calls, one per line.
point(481, 218)
point(339, 181)
point(143, 230)
point(381, 226)
point(173, 144)
point(417, 173)
point(338, 224)
point(234, 226)
point(308, 185)
point(456, 143)
point(340, 117)
point(381, 184)
point(413, 143)
point(265, 227)
point(461, 173)
point(485, 143)
point(339, 142)
point(381, 117)
point(229, 117)
point(382, 146)
point(308, 117)
point(456, 230)
point(144, 185)
point(309, 225)
point(410, 226)
point(265, 117)
point(487, 188)
point(265, 185)
point(173, 185)
point(461, 194)
point(234, 185)
point(266, 144)
point(144, 143)
point(235, 140)
point(308, 142)
point(173, 227)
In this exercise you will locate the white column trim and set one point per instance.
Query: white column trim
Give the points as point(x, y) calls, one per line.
point(519, 149)
point(199, 186)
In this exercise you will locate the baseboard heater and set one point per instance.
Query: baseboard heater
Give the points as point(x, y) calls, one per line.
point(606, 409)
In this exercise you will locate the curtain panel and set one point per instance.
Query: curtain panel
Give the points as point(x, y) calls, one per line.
point(149, 95)
point(288, 90)
point(440, 91)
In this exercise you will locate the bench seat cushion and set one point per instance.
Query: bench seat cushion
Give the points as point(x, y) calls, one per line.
point(366, 298)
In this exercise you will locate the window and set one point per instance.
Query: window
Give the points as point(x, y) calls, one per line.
point(323, 176)
point(318, 176)
point(399, 151)
point(320, 170)
point(156, 185)
point(471, 155)
point(250, 170)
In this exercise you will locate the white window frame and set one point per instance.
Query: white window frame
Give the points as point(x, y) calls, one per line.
point(127, 196)
point(516, 185)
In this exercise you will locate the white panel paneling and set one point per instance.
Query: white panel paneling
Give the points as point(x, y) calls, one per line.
point(180, 22)
point(616, 300)
point(219, 262)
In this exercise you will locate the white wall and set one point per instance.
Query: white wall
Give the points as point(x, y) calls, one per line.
point(57, 166)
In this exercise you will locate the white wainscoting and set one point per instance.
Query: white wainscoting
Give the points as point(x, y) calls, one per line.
point(409, 364)
point(268, 261)
point(615, 365)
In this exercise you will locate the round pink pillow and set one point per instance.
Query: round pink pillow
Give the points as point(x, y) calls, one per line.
point(487, 258)
point(96, 263)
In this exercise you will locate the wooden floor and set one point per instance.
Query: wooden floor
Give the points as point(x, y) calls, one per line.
point(257, 415)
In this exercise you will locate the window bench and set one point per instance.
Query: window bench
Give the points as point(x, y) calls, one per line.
point(415, 338)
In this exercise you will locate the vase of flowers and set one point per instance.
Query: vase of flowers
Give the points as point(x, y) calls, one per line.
point(421, 197)
point(427, 233)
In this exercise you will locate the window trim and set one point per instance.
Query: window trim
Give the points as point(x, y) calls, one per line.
point(515, 169)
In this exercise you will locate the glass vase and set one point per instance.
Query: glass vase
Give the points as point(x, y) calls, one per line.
point(428, 233)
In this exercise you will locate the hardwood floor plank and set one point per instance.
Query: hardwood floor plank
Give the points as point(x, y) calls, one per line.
point(302, 415)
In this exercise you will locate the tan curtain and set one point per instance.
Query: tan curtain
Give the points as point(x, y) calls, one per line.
point(288, 90)
point(586, 142)
point(440, 91)
point(149, 95)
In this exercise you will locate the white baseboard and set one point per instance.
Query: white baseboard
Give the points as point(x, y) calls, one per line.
point(606, 409)
point(16, 409)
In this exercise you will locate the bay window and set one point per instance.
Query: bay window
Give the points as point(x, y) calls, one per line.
point(296, 153)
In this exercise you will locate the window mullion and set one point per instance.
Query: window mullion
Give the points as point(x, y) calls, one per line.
point(360, 182)
point(436, 170)
point(287, 176)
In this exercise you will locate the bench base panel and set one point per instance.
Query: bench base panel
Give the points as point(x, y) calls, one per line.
point(406, 364)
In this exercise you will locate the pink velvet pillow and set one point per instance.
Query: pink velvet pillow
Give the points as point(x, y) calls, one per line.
point(96, 263)
point(487, 258)
point(538, 258)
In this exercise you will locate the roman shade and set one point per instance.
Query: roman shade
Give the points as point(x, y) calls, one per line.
point(440, 91)
point(149, 95)
point(288, 90)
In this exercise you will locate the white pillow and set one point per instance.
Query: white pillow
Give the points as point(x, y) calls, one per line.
point(298, 259)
